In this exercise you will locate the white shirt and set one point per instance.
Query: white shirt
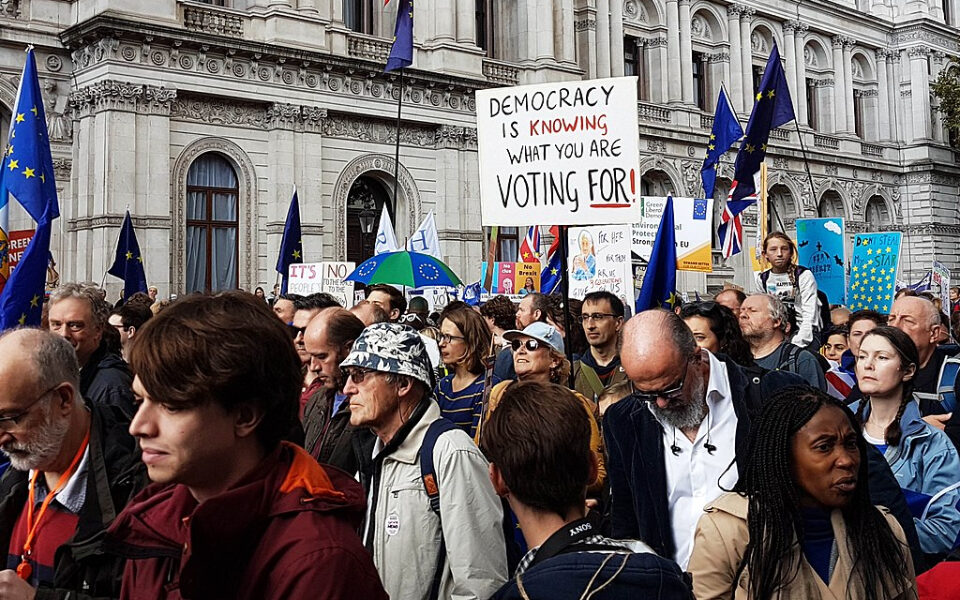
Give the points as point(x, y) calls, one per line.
point(694, 476)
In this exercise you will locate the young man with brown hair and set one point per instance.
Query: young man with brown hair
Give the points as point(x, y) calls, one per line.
point(233, 512)
point(538, 443)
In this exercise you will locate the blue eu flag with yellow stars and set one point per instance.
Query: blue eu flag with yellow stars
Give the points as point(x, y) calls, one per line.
point(726, 131)
point(128, 264)
point(401, 53)
point(291, 246)
point(660, 281)
point(28, 176)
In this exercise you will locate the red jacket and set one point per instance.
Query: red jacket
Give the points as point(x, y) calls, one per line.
point(286, 531)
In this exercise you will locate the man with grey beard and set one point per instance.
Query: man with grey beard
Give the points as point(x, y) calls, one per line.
point(675, 443)
point(72, 468)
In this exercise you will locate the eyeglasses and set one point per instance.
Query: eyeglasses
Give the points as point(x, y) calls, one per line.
point(357, 375)
point(9, 423)
point(596, 316)
point(531, 344)
point(446, 338)
point(296, 331)
point(670, 393)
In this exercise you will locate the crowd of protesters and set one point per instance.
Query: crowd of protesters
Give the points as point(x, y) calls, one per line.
point(757, 445)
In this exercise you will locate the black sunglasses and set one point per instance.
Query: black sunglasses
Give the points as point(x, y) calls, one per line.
point(531, 344)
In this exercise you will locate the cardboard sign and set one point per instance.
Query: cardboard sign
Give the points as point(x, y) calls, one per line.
point(559, 153)
point(820, 248)
point(873, 271)
point(599, 259)
point(693, 226)
point(528, 277)
point(505, 278)
point(941, 277)
point(310, 278)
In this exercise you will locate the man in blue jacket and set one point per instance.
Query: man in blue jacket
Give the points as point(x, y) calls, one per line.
point(538, 442)
point(679, 440)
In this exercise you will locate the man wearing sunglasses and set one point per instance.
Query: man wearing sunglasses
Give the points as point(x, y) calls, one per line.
point(599, 367)
point(388, 384)
point(72, 468)
point(673, 445)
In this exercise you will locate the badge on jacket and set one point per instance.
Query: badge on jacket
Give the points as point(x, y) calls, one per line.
point(393, 523)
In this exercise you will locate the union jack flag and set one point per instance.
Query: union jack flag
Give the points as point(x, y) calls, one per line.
point(731, 227)
point(530, 247)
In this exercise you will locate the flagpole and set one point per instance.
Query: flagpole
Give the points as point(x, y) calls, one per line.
point(806, 163)
point(565, 292)
point(396, 150)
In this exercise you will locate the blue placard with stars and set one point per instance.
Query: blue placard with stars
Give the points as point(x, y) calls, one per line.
point(873, 271)
point(820, 248)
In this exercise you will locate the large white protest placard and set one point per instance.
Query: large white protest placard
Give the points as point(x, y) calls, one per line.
point(559, 153)
point(692, 219)
point(600, 260)
point(310, 278)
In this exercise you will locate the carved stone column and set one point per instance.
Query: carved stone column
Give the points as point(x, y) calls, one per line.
point(746, 57)
point(800, 31)
point(883, 98)
point(674, 70)
point(791, 59)
point(848, 83)
point(919, 92)
point(603, 38)
point(686, 53)
point(736, 82)
point(616, 38)
point(839, 87)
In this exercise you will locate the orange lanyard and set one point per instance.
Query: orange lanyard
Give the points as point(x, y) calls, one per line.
point(24, 570)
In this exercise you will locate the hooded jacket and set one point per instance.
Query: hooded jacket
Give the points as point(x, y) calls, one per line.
point(114, 473)
point(722, 538)
point(285, 531)
point(927, 467)
point(106, 379)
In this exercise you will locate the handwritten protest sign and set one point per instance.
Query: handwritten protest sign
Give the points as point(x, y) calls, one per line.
point(820, 248)
point(941, 277)
point(873, 271)
point(559, 153)
point(310, 278)
point(599, 259)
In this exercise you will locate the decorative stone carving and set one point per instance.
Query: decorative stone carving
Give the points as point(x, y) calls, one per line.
point(383, 166)
point(54, 63)
point(809, 57)
point(59, 127)
point(62, 168)
point(379, 131)
point(584, 25)
point(654, 145)
point(918, 51)
point(700, 29)
point(691, 176)
point(831, 169)
point(218, 111)
point(635, 12)
point(758, 43)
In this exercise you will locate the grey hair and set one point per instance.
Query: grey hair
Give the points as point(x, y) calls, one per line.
point(680, 334)
point(778, 311)
point(85, 291)
point(52, 356)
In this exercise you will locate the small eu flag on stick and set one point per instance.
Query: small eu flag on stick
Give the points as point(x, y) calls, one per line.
point(128, 263)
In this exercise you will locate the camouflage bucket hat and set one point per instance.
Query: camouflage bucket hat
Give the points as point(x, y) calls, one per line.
point(391, 348)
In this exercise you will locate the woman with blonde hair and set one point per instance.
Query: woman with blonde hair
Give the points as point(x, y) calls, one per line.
point(795, 285)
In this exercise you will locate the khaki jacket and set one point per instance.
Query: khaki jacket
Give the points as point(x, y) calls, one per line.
point(722, 537)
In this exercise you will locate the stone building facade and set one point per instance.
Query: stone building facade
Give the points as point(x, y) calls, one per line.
point(201, 117)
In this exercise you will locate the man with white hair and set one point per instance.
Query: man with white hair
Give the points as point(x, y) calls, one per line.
point(72, 468)
point(763, 321)
point(79, 314)
point(918, 318)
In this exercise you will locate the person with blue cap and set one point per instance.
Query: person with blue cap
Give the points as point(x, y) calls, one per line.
point(433, 519)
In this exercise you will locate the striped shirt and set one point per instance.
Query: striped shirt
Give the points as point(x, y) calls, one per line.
point(463, 407)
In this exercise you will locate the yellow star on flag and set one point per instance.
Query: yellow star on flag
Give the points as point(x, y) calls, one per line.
point(34, 111)
point(750, 148)
point(887, 297)
point(759, 96)
point(554, 271)
point(854, 269)
point(296, 254)
point(771, 94)
point(13, 164)
point(711, 147)
point(28, 172)
point(35, 301)
point(43, 178)
point(129, 255)
point(20, 118)
point(713, 137)
point(23, 318)
point(763, 147)
point(869, 250)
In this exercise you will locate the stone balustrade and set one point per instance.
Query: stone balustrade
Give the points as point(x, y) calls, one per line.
point(826, 141)
point(213, 20)
point(500, 72)
point(653, 112)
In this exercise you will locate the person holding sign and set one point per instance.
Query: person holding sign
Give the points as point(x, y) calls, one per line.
point(795, 285)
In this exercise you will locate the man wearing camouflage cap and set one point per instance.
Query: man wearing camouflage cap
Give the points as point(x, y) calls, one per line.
point(445, 544)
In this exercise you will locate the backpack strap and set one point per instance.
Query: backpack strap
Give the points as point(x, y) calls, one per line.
point(428, 474)
point(793, 357)
point(764, 276)
point(592, 379)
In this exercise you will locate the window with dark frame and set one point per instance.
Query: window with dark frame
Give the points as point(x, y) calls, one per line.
point(634, 64)
point(485, 31)
point(812, 112)
point(358, 15)
point(212, 225)
point(858, 113)
point(700, 80)
point(508, 244)
point(757, 78)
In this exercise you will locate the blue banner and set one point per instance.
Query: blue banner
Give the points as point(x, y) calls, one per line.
point(820, 248)
point(873, 271)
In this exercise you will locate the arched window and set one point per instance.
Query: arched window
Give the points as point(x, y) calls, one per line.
point(656, 183)
point(212, 207)
point(876, 213)
point(782, 207)
point(365, 202)
point(831, 205)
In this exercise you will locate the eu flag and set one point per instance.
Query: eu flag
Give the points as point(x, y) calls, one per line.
point(401, 53)
point(552, 274)
point(726, 131)
point(21, 302)
point(660, 281)
point(772, 109)
point(27, 164)
point(128, 264)
point(291, 246)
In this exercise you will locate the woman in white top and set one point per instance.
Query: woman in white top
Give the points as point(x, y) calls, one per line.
point(795, 285)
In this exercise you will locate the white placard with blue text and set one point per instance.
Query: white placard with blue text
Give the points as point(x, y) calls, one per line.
point(559, 153)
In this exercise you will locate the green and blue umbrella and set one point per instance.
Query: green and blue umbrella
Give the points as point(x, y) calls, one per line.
point(410, 269)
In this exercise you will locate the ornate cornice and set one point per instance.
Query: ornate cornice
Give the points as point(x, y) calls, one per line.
point(918, 33)
point(918, 52)
point(101, 221)
point(109, 94)
point(109, 39)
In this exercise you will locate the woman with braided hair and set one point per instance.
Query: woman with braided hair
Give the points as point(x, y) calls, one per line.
point(795, 285)
point(800, 524)
point(922, 458)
